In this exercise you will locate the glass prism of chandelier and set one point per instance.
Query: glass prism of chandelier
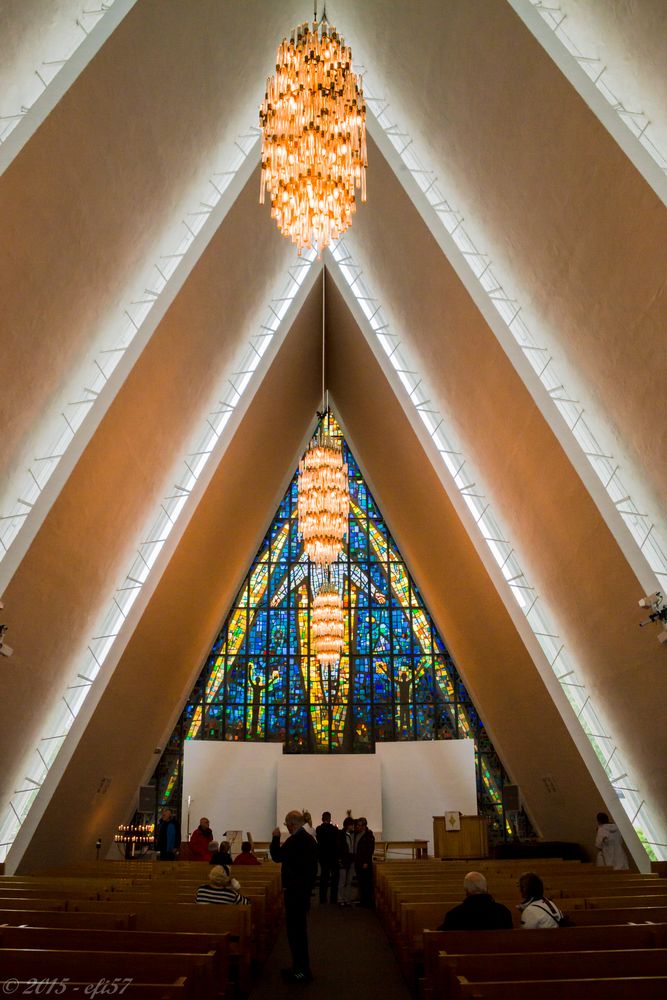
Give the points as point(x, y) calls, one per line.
point(313, 123)
point(323, 505)
point(327, 625)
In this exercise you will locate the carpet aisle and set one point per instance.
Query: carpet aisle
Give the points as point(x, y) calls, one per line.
point(350, 958)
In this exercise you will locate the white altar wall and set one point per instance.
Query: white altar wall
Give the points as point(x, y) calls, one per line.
point(422, 780)
point(251, 786)
point(234, 784)
point(332, 782)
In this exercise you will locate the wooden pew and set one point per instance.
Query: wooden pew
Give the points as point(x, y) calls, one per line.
point(640, 987)
point(532, 965)
point(263, 928)
point(604, 938)
point(620, 915)
point(150, 916)
point(178, 990)
point(33, 903)
point(620, 902)
point(93, 966)
point(80, 939)
point(65, 918)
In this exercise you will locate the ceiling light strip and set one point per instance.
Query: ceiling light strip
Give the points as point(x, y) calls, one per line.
point(162, 522)
point(504, 553)
point(64, 434)
point(70, 43)
point(643, 542)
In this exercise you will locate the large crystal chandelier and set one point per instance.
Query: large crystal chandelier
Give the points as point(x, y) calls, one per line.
point(327, 625)
point(313, 122)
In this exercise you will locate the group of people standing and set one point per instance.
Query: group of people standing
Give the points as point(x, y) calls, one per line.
point(344, 854)
point(202, 845)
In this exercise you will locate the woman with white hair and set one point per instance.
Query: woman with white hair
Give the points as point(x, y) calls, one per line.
point(220, 888)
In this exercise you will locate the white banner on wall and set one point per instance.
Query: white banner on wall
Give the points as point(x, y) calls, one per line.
point(251, 786)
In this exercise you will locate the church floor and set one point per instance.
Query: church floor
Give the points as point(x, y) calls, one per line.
point(350, 958)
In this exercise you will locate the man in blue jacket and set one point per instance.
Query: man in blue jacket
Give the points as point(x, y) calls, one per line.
point(298, 856)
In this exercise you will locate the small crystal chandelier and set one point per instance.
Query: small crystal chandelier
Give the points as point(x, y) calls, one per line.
point(323, 503)
point(327, 625)
point(313, 122)
point(324, 500)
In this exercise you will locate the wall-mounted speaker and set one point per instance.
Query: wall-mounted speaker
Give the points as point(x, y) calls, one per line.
point(147, 799)
point(511, 798)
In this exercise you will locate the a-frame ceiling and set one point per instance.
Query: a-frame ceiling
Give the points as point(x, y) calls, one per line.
point(90, 201)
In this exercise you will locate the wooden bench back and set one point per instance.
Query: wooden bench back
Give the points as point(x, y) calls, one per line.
point(65, 918)
point(643, 988)
point(547, 965)
point(91, 966)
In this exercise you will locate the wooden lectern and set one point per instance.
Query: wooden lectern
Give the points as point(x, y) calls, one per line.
point(471, 841)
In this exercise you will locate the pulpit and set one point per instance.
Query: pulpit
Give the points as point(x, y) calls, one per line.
point(471, 840)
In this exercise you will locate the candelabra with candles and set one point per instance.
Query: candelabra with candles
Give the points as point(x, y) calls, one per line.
point(135, 838)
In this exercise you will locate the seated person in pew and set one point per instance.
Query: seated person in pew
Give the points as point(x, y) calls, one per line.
point(220, 853)
point(246, 857)
point(478, 911)
point(536, 910)
point(220, 888)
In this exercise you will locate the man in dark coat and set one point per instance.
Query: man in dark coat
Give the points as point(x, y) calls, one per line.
point(327, 845)
point(363, 861)
point(346, 862)
point(298, 856)
point(478, 911)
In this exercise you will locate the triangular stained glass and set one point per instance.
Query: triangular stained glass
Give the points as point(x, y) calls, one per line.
point(395, 681)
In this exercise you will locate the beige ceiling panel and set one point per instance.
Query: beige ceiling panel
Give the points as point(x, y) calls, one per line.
point(89, 537)
point(101, 189)
point(160, 665)
point(566, 218)
point(511, 698)
point(564, 546)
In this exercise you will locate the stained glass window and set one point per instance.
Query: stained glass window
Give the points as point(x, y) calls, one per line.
point(395, 680)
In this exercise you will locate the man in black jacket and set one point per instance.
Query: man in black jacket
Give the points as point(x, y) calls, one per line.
point(298, 856)
point(327, 843)
point(363, 861)
point(478, 911)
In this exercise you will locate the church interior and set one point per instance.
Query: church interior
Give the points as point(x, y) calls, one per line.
point(489, 333)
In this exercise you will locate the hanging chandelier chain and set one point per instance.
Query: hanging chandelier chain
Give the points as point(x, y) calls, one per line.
point(324, 410)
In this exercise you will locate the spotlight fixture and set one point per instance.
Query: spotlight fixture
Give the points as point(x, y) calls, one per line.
point(658, 613)
point(650, 599)
point(313, 124)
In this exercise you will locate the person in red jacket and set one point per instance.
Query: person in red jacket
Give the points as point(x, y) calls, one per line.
point(199, 841)
point(246, 857)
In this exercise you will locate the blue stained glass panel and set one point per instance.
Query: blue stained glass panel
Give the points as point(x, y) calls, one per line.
point(395, 679)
